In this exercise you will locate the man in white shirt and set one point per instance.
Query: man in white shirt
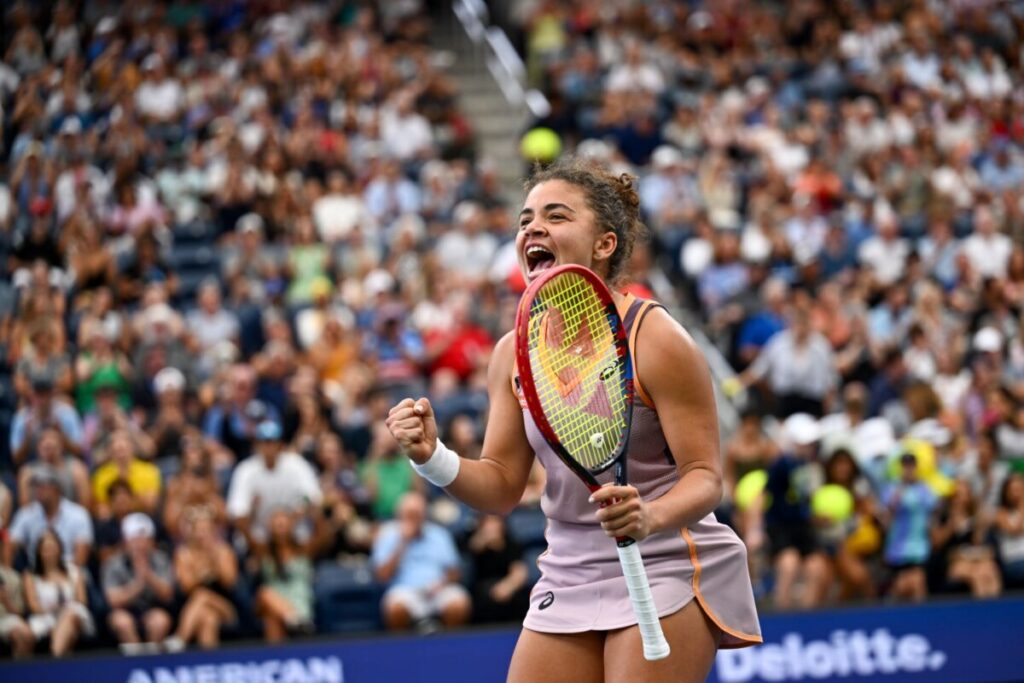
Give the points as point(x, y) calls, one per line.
point(159, 97)
point(269, 479)
point(885, 254)
point(987, 249)
point(341, 210)
point(467, 248)
point(406, 133)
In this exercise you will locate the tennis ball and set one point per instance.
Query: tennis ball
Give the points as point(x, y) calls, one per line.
point(540, 144)
point(833, 502)
point(749, 487)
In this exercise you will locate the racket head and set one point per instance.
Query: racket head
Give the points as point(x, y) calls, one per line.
point(575, 369)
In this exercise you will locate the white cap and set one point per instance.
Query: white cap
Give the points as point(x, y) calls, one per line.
point(159, 313)
point(666, 156)
point(801, 429)
point(71, 126)
point(378, 281)
point(169, 379)
point(106, 25)
point(988, 340)
point(137, 524)
point(152, 62)
point(250, 222)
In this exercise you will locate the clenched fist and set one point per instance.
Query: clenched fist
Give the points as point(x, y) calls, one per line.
point(413, 426)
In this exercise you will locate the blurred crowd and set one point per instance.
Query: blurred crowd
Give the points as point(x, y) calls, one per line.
point(234, 233)
point(836, 189)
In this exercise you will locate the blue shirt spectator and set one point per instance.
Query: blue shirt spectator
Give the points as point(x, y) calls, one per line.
point(50, 510)
point(910, 505)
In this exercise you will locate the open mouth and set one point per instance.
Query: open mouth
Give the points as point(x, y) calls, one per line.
point(538, 259)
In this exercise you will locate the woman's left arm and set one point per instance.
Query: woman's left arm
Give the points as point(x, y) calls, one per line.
point(677, 379)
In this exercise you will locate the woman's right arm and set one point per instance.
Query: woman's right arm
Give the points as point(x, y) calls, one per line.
point(30, 594)
point(494, 483)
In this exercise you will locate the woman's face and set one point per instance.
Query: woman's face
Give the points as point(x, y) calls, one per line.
point(556, 227)
point(329, 454)
point(280, 525)
point(1015, 489)
point(49, 550)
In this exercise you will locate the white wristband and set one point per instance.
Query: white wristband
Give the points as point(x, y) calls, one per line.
point(441, 468)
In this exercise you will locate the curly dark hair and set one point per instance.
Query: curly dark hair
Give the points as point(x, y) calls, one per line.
point(613, 199)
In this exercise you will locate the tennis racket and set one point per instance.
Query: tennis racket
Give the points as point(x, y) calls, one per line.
point(577, 379)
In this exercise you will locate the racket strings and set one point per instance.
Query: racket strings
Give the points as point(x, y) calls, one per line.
point(577, 370)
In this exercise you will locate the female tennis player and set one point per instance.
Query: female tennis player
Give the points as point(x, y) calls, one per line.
point(580, 625)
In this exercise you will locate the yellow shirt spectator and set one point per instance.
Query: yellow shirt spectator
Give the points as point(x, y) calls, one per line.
point(143, 478)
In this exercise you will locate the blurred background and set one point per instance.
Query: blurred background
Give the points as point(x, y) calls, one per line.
point(233, 234)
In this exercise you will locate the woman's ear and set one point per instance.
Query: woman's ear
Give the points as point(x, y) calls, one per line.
point(605, 245)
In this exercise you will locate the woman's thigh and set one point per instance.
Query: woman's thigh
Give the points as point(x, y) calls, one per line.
point(692, 637)
point(558, 657)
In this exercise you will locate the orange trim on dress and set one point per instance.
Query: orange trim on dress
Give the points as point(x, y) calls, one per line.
point(634, 332)
point(695, 561)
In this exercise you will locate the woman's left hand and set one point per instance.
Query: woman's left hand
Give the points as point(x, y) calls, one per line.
point(624, 512)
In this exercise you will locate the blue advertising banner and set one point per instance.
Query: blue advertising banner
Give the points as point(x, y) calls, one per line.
point(961, 642)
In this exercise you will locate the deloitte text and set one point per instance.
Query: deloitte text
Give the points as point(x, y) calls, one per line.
point(310, 670)
point(845, 653)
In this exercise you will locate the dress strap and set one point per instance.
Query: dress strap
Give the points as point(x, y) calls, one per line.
point(634, 317)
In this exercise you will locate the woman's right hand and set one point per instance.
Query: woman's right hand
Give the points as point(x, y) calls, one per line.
point(413, 426)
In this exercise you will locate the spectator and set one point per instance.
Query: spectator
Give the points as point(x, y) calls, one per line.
point(210, 325)
point(101, 367)
point(55, 593)
point(195, 484)
point(395, 352)
point(138, 583)
point(987, 249)
point(14, 629)
point(50, 510)
point(960, 551)
point(169, 422)
point(800, 368)
point(123, 462)
point(467, 249)
point(386, 473)
point(795, 552)
point(72, 475)
point(849, 540)
point(233, 420)
point(341, 214)
point(284, 601)
point(268, 480)
point(501, 589)
point(107, 418)
point(121, 502)
point(418, 561)
point(43, 358)
point(909, 504)
point(44, 409)
point(1009, 530)
point(206, 572)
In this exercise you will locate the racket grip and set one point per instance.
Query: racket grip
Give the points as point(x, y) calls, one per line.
point(655, 645)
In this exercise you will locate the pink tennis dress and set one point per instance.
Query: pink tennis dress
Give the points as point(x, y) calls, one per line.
point(581, 586)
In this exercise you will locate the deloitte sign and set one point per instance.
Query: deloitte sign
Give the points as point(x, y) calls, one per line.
point(951, 642)
point(842, 654)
